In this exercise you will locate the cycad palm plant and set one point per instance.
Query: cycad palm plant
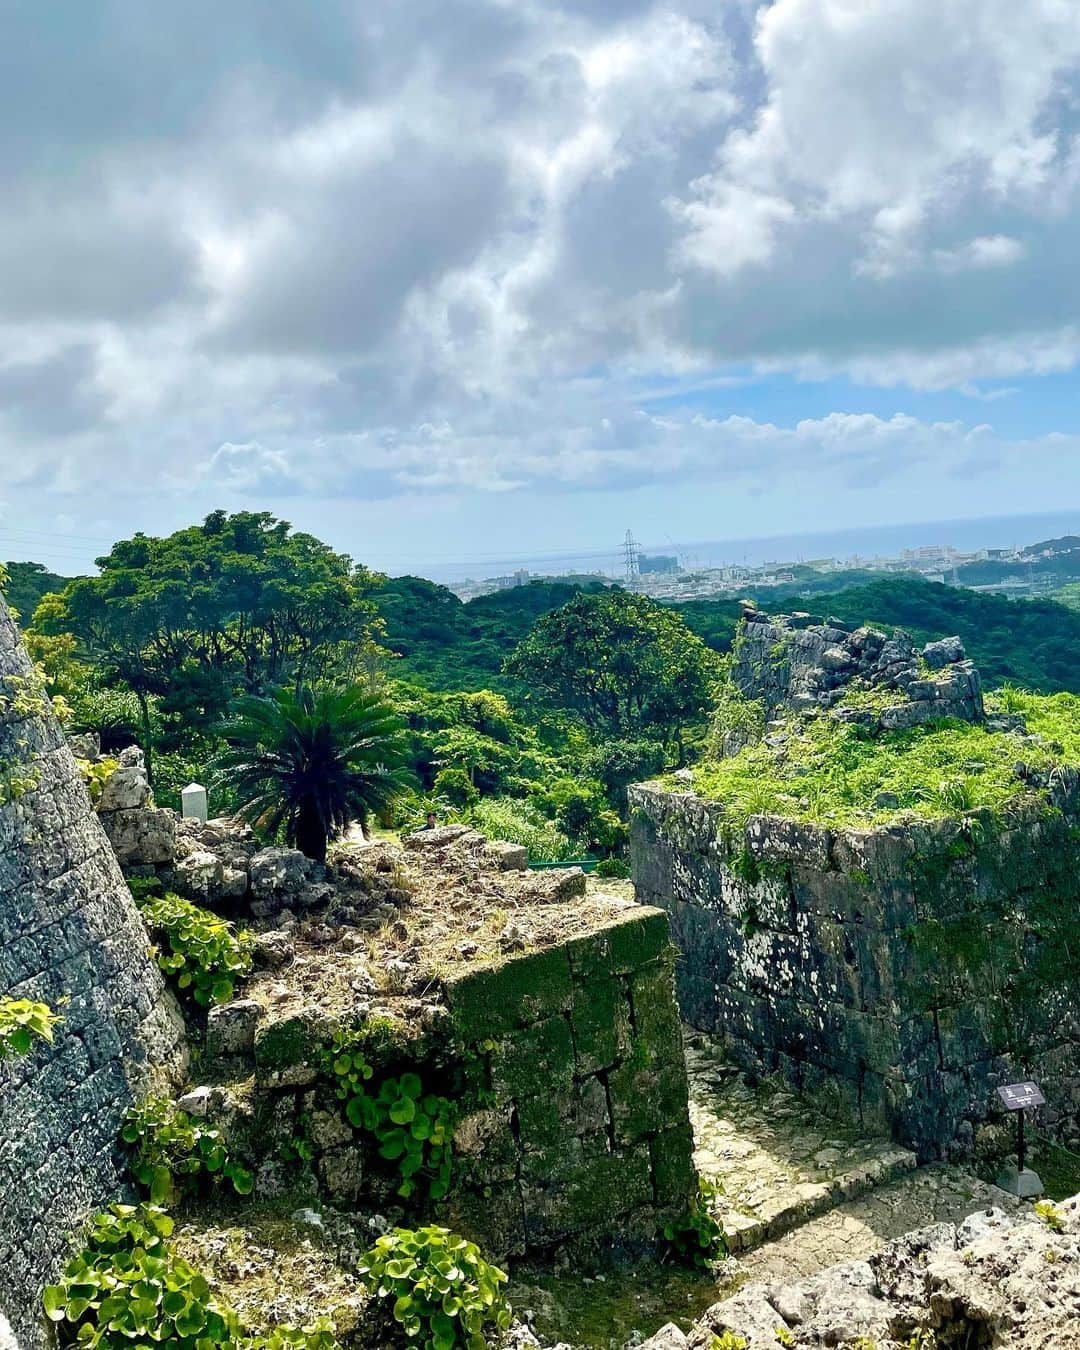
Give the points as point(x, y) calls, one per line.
point(313, 762)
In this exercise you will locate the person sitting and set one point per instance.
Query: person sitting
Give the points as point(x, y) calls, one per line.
point(430, 823)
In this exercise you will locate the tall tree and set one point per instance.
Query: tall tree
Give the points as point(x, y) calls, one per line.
point(240, 602)
point(313, 763)
point(623, 662)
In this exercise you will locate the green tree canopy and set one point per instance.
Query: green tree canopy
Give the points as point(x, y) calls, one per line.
point(621, 661)
point(240, 602)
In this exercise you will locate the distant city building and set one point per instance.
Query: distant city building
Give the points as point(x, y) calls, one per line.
point(659, 562)
point(519, 578)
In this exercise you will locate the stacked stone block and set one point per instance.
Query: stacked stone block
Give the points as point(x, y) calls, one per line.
point(828, 957)
point(589, 1129)
point(71, 937)
point(583, 1136)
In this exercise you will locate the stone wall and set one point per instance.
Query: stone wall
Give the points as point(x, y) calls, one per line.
point(588, 1136)
point(909, 969)
point(568, 1062)
point(73, 939)
point(793, 662)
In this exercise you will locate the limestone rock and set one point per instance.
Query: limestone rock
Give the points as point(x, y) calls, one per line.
point(507, 857)
point(947, 652)
point(556, 886)
point(201, 873)
point(279, 877)
point(84, 745)
point(196, 1102)
point(1010, 1283)
point(141, 836)
point(288, 1047)
point(230, 1028)
point(437, 838)
point(125, 789)
point(273, 950)
point(669, 1337)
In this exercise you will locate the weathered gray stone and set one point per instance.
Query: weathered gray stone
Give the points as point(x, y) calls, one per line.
point(124, 789)
point(85, 744)
point(279, 877)
point(669, 1337)
point(947, 652)
point(507, 857)
point(69, 931)
point(230, 1028)
point(555, 886)
point(141, 836)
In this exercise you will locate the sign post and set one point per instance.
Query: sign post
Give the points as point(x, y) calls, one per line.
point(1020, 1180)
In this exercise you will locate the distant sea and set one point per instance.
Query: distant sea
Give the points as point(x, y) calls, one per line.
point(876, 541)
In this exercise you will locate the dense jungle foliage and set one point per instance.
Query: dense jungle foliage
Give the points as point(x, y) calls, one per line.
point(527, 711)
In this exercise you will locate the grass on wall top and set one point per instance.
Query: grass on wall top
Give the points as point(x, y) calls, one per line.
point(829, 773)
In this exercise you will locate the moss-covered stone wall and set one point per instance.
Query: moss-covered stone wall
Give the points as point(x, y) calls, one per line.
point(907, 970)
point(565, 1075)
point(588, 1123)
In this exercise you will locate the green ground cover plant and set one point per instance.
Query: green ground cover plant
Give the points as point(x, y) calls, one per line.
point(444, 1294)
point(171, 1151)
point(203, 953)
point(836, 774)
point(127, 1288)
point(413, 1128)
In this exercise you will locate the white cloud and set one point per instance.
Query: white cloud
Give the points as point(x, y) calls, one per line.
point(443, 244)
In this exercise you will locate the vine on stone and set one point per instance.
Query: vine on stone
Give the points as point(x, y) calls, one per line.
point(444, 1294)
point(170, 1147)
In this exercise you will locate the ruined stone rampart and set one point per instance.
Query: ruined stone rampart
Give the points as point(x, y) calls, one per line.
point(791, 662)
point(588, 1135)
point(911, 968)
point(545, 1016)
point(71, 937)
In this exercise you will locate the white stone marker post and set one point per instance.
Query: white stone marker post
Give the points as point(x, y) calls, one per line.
point(193, 802)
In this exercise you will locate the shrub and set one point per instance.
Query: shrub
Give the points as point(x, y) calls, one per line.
point(616, 868)
point(127, 1288)
point(519, 822)
point(95, 774)
point(21, 1021)
point(167, 1144)
point(444, 1293)
point(413, 1128)
point(205, 954)
point(456, 787)
point(113, 713)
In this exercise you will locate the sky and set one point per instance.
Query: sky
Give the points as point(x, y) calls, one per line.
point(449, 280)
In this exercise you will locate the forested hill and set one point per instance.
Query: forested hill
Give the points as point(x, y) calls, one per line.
point(27, 583)
point(451, 645)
